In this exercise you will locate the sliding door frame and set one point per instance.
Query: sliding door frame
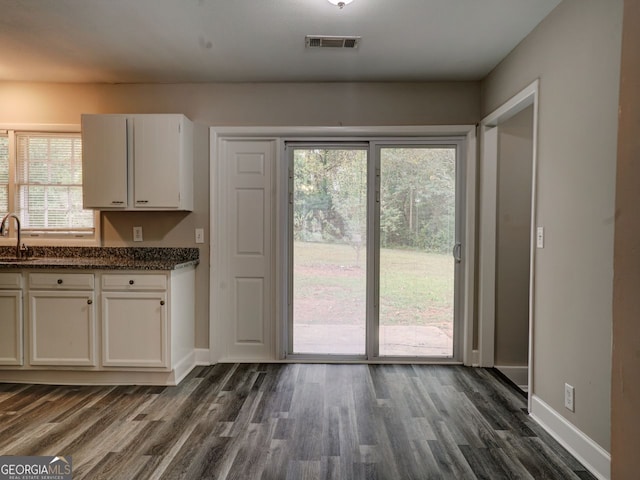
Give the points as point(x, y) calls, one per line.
point(392, 134)
point(459, 239)
point(288, 159)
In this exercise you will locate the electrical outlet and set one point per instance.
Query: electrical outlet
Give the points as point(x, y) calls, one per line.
point(137, 234)
point(569, 397)
point(199, 235)
point(540, 237)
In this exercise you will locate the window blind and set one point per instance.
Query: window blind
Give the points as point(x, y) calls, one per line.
point(4, 174)
point(49, 184)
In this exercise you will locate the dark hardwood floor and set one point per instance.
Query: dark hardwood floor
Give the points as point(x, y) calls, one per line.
point(273, 421)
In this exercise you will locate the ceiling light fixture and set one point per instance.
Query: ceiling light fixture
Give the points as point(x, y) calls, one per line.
point(340, 3)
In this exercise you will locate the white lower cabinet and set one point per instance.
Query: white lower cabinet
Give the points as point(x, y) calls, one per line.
point(134, 329)
point(62, 320)
point(148, 320)
point(11, 319)
point(102, 327)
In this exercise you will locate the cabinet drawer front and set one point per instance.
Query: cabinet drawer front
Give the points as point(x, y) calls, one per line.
point(61, 281)
point(10, 280)
point(134, 281)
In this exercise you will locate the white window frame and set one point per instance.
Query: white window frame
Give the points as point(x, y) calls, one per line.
point(40, 238)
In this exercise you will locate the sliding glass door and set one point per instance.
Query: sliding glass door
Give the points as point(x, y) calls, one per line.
point(329, 220)
point(417, 225)
point(374, 250)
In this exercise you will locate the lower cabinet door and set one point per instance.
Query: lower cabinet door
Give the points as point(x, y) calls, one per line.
point(134, 329)
point(62, 328)
point(11, 327)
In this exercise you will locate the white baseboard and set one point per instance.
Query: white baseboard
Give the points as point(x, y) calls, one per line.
point(475, 358)
point(203, 356)
point(184, 366)
point(518, 375)
point(74, 377)
point(595, 458)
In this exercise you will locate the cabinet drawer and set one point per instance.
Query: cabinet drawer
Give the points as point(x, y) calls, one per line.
point(61, 281)
point(133, 282)
point(10, 280)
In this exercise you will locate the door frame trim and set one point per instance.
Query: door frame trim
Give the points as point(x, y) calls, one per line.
point(218, 221)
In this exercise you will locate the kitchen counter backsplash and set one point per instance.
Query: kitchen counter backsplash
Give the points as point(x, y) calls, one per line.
point(137, 258)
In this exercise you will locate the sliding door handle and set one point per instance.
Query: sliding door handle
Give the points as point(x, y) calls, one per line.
point(457, 252)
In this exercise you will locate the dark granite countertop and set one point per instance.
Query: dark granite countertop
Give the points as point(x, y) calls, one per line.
point(101, 258)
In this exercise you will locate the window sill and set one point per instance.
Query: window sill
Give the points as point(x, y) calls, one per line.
point(51, 242)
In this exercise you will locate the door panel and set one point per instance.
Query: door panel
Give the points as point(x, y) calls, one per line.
point(247, 168)
point(249, 310)
point(329, 251)
point(417, 236)
point(250, 235)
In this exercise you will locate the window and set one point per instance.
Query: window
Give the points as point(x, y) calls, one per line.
point(4, 173)
point(42, 184)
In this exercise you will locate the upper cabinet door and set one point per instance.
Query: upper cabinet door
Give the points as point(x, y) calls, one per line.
point(104, 161)
point(157, 157)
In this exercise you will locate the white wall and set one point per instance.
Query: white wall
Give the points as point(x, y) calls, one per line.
point(575, 52)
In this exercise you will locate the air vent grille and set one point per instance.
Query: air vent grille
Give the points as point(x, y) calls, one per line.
point(325, 41)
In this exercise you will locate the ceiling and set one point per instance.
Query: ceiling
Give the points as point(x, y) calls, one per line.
point(174, 41)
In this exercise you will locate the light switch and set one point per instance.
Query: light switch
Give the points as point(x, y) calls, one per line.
point(199, 235)
point(540, 237)
point(137, 234)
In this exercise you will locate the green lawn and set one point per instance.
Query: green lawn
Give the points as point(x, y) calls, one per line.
point(416, 288)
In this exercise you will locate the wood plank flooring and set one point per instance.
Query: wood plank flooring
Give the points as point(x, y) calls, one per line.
point(290, 421)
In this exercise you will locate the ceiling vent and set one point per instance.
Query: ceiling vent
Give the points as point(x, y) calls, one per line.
point(325, 41)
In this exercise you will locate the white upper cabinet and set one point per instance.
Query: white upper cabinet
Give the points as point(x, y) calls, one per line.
point(104, 165)
point(143, 161)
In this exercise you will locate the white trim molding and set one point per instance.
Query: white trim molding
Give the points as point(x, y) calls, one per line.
point(595, 458)
point(469, 274)
point(217, 347)
point(202, 357)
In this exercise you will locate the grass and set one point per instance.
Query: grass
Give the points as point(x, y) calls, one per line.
point(416, 288)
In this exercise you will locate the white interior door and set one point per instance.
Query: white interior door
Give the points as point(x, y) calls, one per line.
point(246, 289)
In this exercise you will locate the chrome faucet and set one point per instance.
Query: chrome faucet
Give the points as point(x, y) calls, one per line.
point(2, 232)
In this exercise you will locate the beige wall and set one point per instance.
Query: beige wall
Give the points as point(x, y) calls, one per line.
point(272, 104)
point(575, 52)
point(515, 155)
point(625, 397)
point(267, 104)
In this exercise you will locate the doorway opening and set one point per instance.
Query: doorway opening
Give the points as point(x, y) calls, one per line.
point(507, 238)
